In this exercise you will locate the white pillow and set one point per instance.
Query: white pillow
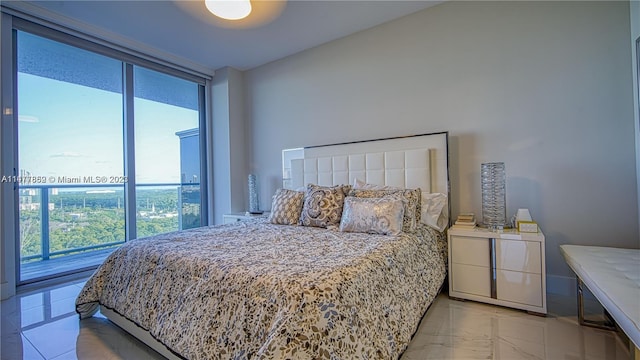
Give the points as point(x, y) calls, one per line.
point(359, 184)
point(435, 211)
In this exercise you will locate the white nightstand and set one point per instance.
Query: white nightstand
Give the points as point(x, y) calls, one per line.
point(503, 268)
point(234, 217)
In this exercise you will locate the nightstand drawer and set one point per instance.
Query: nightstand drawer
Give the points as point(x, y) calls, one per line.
point(518, 255)
point(523, 288)
point(472, 279)
point(470, 251)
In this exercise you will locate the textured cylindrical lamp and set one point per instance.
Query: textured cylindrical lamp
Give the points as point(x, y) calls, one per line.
point(254, 205)
point(494, 203)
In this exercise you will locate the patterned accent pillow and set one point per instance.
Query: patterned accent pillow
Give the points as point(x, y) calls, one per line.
point(286, 207)
point(323, 205)
point(412, 204)
point(373, 215)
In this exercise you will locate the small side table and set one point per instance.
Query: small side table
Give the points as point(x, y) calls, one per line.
point(504, 268)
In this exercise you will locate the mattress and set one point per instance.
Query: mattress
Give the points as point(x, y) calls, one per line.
point(255, 290)
point(613, 276)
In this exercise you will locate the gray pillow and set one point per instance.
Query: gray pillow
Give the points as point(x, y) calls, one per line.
point(373, 215)
point(412, 203)
point(323, 205)
point(286, 207)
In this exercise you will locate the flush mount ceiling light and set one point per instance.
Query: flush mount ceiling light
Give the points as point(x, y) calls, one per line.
point(262, 12)
point(229, 9)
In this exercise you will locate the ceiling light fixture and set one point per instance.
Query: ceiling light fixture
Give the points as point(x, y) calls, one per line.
point(229, 9)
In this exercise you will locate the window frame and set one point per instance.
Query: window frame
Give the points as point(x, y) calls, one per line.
point(129, 59)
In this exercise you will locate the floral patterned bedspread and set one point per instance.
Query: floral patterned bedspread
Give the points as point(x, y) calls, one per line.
point(255, 290)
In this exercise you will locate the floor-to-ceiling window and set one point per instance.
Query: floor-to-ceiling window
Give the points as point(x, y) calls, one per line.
point(97, 165)
point(70, 135)
point(167, 156)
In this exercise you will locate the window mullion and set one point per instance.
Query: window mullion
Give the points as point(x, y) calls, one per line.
point(204, 207)
point(129, 152)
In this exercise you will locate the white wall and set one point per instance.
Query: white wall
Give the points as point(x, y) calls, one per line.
point(543, 86)
point(229, 150)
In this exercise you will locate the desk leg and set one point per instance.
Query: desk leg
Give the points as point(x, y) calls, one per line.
point(607, 324)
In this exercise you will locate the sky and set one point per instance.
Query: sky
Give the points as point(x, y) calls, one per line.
point(71, 118)
point(70, 130)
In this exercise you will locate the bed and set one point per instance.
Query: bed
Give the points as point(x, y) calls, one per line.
point(266, 289)
point(613, 276)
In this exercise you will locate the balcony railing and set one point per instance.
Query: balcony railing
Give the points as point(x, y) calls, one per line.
point(93, 207)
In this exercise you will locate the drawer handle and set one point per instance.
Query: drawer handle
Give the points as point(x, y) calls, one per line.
point(494, 271)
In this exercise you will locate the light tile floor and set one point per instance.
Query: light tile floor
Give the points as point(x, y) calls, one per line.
point(42, 324)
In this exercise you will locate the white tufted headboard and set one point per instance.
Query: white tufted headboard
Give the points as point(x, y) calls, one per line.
point(419, 161)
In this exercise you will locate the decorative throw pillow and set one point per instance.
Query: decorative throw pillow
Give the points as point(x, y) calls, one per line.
point(286, 207)
point(322, 205)
point(412, 203)
point(373, 215)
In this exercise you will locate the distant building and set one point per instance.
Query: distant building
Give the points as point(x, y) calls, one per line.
point(77, 216)
point(189, 191)
point(189, 156)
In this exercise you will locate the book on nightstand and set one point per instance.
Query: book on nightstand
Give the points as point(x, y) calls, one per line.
point(465, 221)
